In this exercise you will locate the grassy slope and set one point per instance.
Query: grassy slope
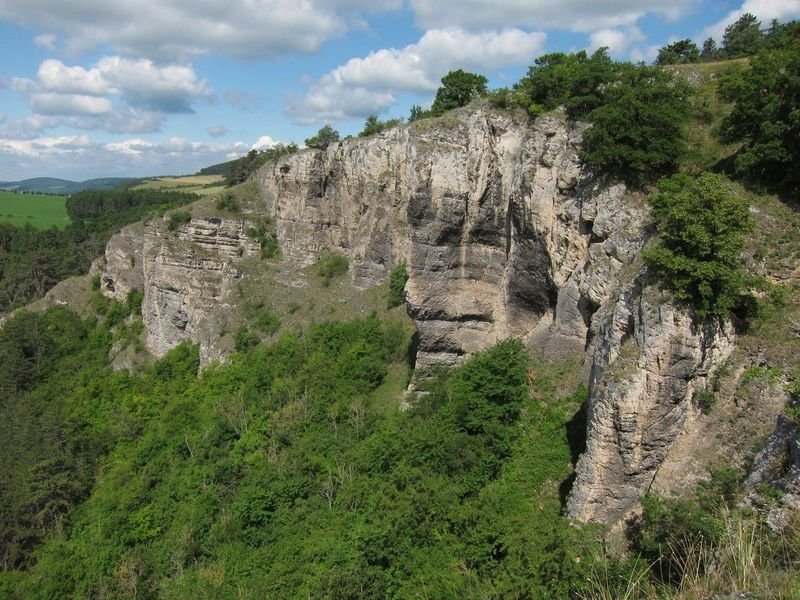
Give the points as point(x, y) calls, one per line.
point(40, 211)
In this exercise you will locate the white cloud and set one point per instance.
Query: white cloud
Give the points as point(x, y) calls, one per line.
point(46, 146)
point(46, 41)
point(264, 142)
point(765, 10)
point(170, 29)
point(368, 85)
point(69, 104)
point(578, 15)
point(621, 43)
point(217, 130)
point(116, 94)
point(135, 156)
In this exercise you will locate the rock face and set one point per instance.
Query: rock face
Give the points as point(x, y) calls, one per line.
point(186, 276)
point(648, 360)
point(505, 235)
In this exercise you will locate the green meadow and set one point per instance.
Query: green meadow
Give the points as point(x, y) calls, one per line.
point(41, 211)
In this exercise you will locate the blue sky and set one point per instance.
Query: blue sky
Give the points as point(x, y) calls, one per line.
point(152, 87)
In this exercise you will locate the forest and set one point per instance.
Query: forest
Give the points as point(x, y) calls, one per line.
point(289, 470)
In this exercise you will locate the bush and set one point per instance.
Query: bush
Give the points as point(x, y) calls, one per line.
point(178, 218)
point(330, 266)
point(702, 227)
point(397, 284)
point(704, 400)
point(374, 125)
point(264, 233)
point(228, 203)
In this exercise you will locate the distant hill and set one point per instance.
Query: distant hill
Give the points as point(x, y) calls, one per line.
point(223, 169)
point(51, 185)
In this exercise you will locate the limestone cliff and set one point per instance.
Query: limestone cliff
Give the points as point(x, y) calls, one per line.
point(505, 234)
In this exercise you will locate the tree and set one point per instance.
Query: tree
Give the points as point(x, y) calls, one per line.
point(458, 88)
point(416, 113)
point(678, 53)
point(702, 226)
point(742, 38)
point(709, 51)
point(326, 136)
point(637, 135)
point(374, 125)
point(575, 81)
point(766, 117)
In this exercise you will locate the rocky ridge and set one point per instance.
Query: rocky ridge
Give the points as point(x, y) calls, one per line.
point(505, 234)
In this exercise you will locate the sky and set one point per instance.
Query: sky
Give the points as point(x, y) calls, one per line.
point(92, 88)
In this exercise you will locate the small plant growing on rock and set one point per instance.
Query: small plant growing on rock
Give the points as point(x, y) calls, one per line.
point(397, 284)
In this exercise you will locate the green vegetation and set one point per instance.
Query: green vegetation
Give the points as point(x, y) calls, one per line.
point(701, 225)
point(281, 471)
point(326, 136)
point(458, 88)
point(638, 134)
point(33, 261)
point(374, 125)
point(264, 233)
point(228, 203)
point(37, 210)
point(177, 219)
point(575, 81)
point(241, 169)
point(397, 284)
point(331, 265)
point(678, 53)
point(765, 115)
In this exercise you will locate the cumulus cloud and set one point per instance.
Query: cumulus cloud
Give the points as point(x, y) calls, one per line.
point(170, 29)
point(368, 85)
point(217, 131)
point(116, 94)
point(621, 43)
point(264, 142)
point(135, 156)
point(765, 10)
point(578, 15)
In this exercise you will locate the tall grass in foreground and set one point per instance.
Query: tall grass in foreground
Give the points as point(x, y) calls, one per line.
point(748, 558)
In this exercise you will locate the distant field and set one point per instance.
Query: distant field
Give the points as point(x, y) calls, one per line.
point(41, 212)
point(198, 184)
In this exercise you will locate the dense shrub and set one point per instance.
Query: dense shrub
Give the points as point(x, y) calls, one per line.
point(701, 226)
point(637, 134)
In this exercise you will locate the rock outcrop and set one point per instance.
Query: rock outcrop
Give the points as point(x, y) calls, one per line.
point(186, 275)
point(648, 361)
point(505, 234)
